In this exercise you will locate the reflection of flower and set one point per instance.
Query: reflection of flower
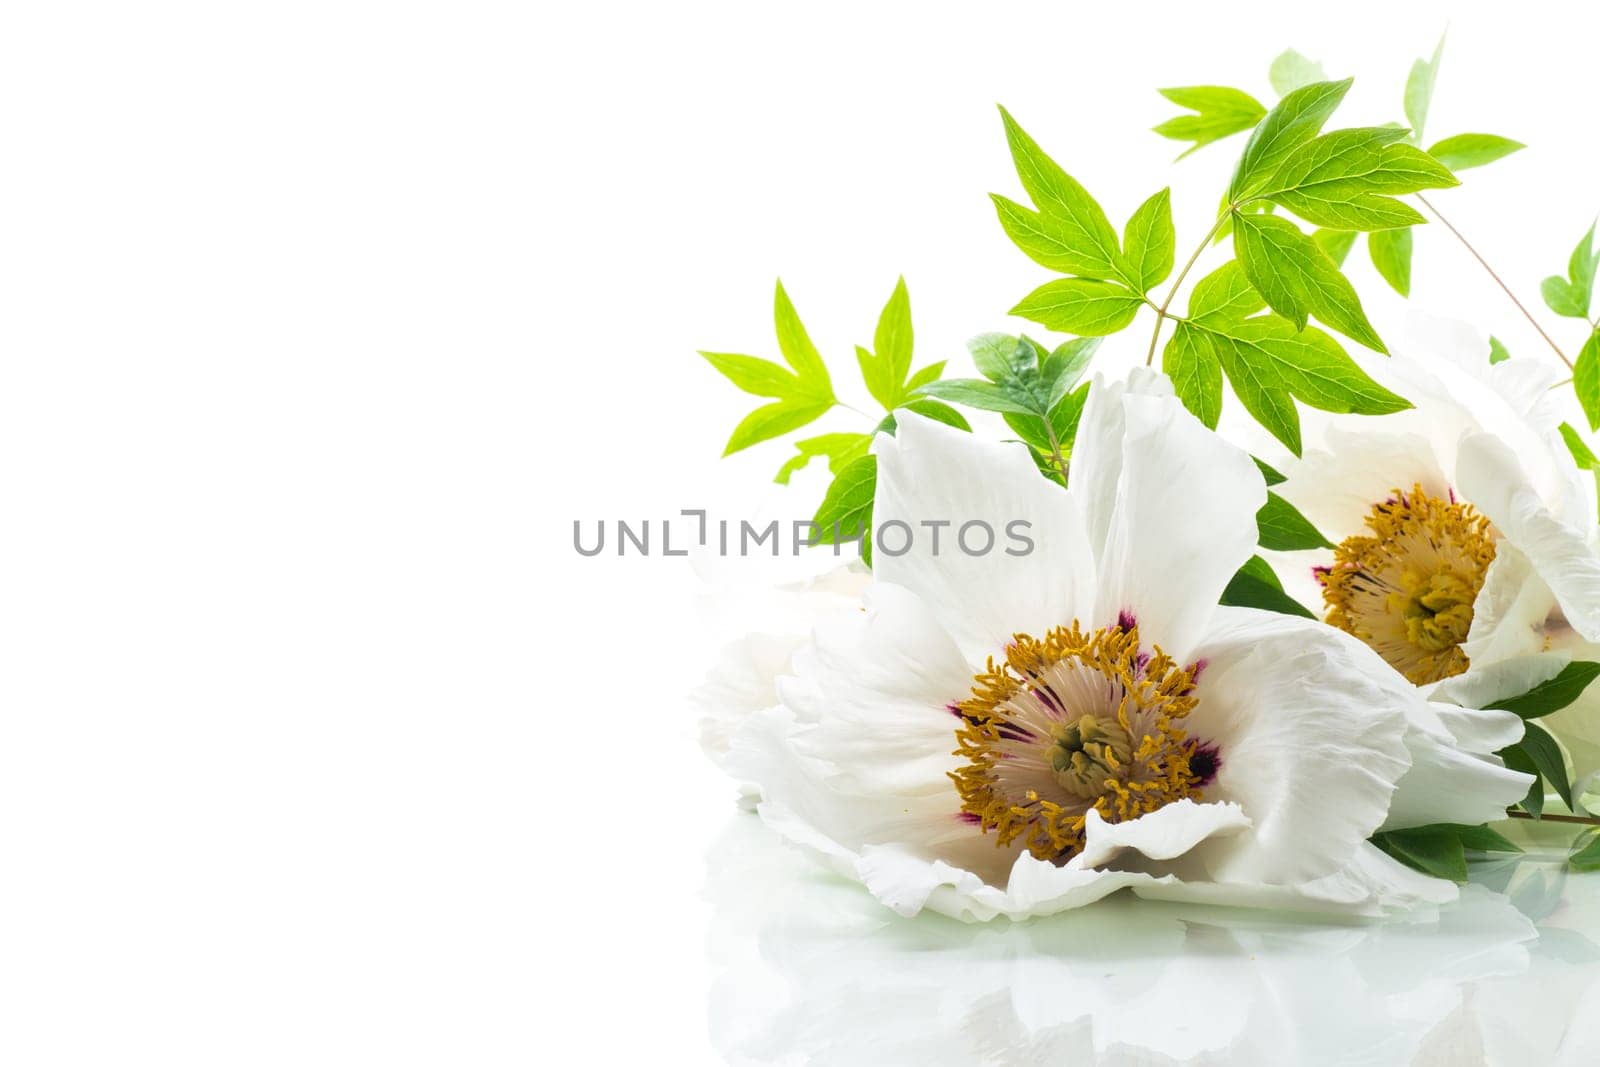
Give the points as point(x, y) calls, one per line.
point(1113, 727)
point(1466, 536)
point(813, 972)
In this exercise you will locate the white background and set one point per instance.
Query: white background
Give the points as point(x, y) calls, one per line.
point(323, 321)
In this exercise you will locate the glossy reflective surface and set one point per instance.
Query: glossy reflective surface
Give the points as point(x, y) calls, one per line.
point(811, 969)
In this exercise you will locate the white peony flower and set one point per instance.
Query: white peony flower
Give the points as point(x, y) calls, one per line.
point(1466, 536)
point(1001, 734)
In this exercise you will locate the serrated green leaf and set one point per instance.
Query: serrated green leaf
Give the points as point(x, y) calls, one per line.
point(756, 376)
point(838, 448)
point(1554, 694)
point(847, 505)
point(1149, 241)
point(1291, 70)
point(1076, 222)
point(1497, 351)
point(1297, 278)
point(1336, 243)
point(1391, 255)
point(1220, 112)
point(797, 349)
point(983, 395)
point(1224, 295)
point(1466, 150)
point(1256, 586)
point(1281, 528)
point(884, 369)
point(1433, 850)
point(1082, 306)
point(1195, 373)
point(1419, 89)
point(774, 420)
point(1586, 380)
point(1268, 361)
point(1297, 118)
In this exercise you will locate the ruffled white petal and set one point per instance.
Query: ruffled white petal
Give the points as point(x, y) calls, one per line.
point(743, 681)
point(1492, 478)
point(1509, 614)
point(1181, 520)
point(1300, 713)
point(930, 473)
point(1336, 483)
point(1164, 834)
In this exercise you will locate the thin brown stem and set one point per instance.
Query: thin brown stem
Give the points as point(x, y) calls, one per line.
point(1498, 281)
point(1161, 312)
point(1580, 820)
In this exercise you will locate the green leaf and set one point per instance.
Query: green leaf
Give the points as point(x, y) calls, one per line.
point(937, 410)
point(1434, 850)
point(1268, 361)
point(1256, 586)
point(1582, 454)
point(1219, 112)
point(1518, 760)
point(1064, 419)
point(1082, 306)
point(1546, 756)
point(1483, 838)
point(1562, 297)
point(927, 374)
point(1332, 157)
point(1339, 180)
point(993, 355)
point(983, 395)
point(1497, 351)
point(1466, 150)
point(1297, 118)
point(1269, 473)
point(758, 376)
point(1150, 242)
point(1064, 368)
point(839, 448)
point(1086, 243)
point(774, 420)
point(1336, 243)
point(1586, 857)
point(848, 503)
point(1297, 278)
point(1291, 70)
point(797, 349)
point(1586, 380)
point(1581, 268)
point(885, 368)
point(1419, 89)
point(1281, 527)
point(1554, 694)
point(1391, 255)
point(1196, 375)
point(1224, 295)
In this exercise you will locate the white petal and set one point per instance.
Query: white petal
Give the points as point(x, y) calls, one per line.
point(1163, 834)
point(1097, 451)
point(1509, 614)
point(744, 680)
point(932, 473)
point(1446, 784)
point(877, 686)
point(1488, 684)
point(1309, 725)
point(1336, 485)
point(1181, 524)
point(1493, 479)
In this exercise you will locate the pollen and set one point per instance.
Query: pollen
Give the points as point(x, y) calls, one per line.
point(1407, 588)
point(1074, 721)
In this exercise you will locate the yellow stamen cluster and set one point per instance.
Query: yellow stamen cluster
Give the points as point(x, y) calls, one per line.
point(1407, 590)
point(1068, 722)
